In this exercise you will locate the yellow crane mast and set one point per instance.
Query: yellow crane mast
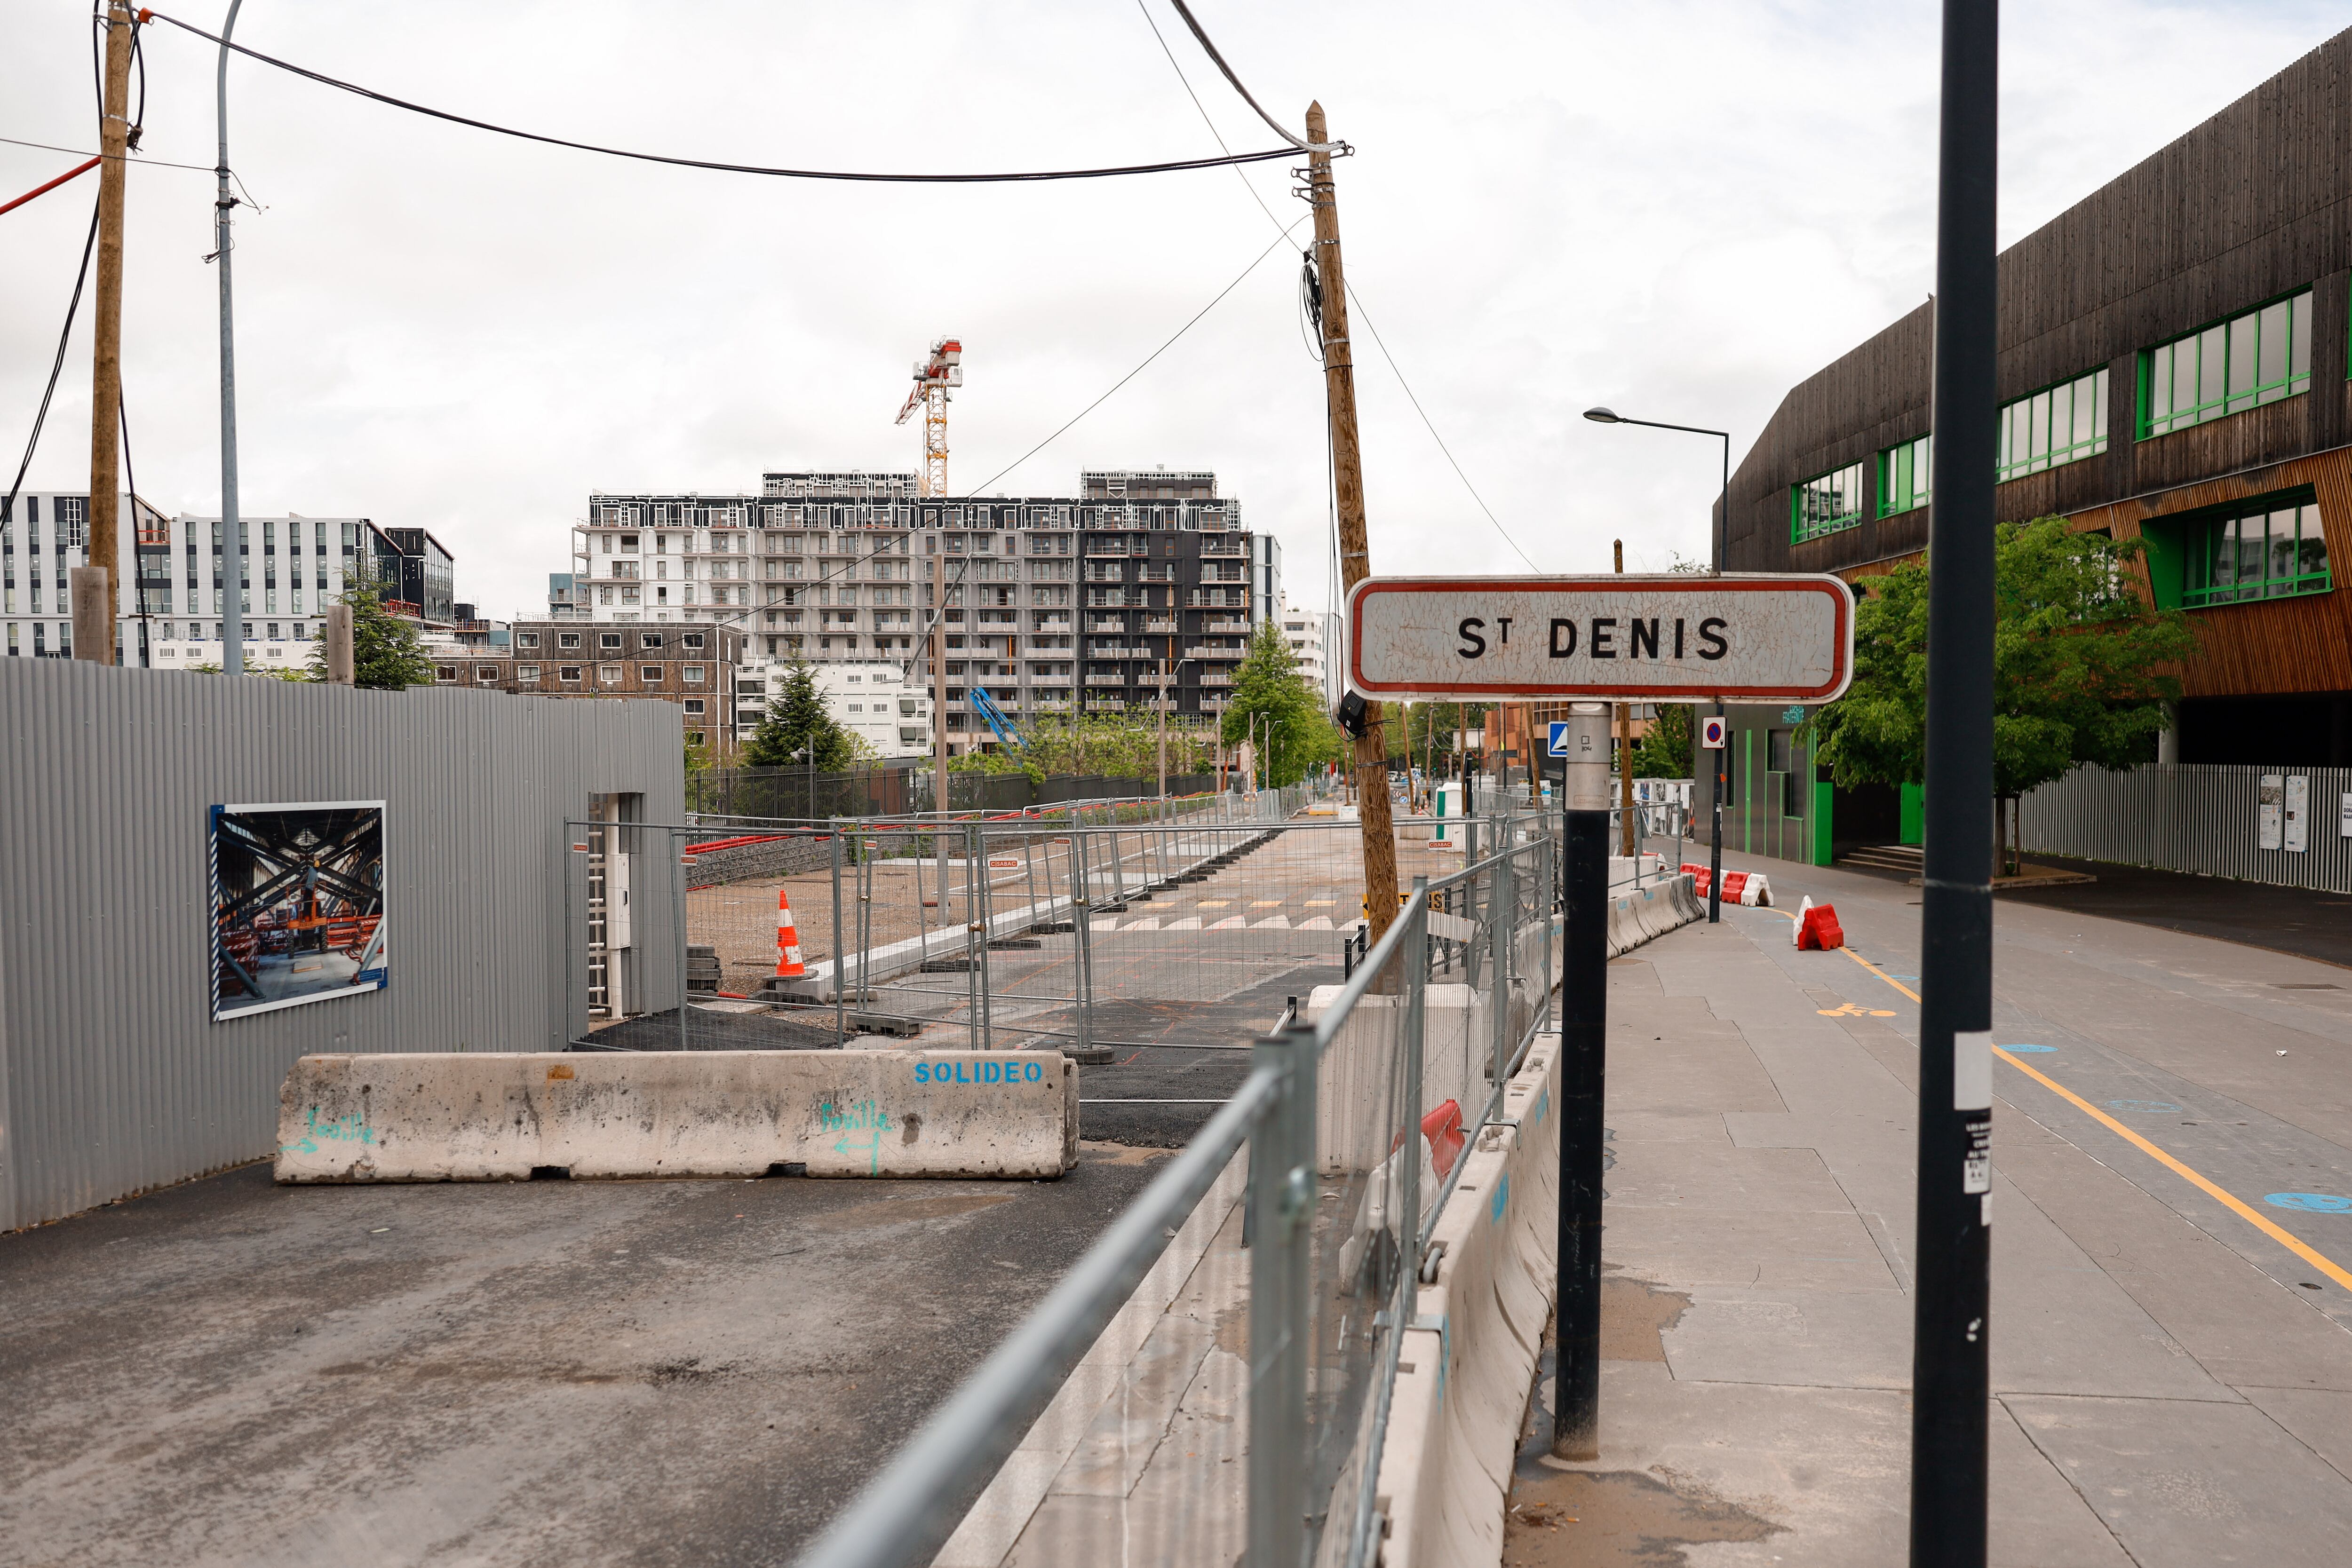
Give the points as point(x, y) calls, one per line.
point(933, 377)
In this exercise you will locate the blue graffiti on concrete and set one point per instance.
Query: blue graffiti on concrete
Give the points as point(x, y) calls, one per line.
point(1502, 1196)
point(345, 1129)
point(863, 1117)
point(2309, 1202)
point(2029, 1048)
point(2141, 1105)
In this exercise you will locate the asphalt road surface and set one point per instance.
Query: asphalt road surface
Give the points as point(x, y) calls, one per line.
point(645, 1373)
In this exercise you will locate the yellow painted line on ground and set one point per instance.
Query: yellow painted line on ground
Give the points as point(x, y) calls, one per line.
point(2263, 1223)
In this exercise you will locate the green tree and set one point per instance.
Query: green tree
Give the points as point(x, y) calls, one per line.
point(798, 730)
point(387, 653)
point(2080, 666)
point(1273, 699)
point(1665, 749)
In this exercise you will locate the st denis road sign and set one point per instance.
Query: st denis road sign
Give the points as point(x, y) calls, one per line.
point(1629, 639)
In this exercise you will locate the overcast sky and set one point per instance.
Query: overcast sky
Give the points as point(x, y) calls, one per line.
point(1677, 209)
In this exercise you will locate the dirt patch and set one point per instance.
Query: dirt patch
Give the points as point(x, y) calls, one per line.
point(1102, 1154)
point(1634, 1317)
point(1600, 1519)
point(905, 1211)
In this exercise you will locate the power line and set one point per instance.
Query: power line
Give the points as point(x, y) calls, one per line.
point(41, 416)
point(1354, 298)
point(1357, 301)
point(370, 93)
point(1278, 241)
point(1202, 33)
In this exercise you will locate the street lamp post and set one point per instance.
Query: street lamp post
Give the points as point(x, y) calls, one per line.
point(1722, 544)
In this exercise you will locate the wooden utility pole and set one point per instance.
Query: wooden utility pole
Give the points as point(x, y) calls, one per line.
point(1355, 545)
point(94, 608)
point(1624, 755)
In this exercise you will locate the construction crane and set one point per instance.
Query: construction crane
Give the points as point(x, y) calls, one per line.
point(933, 377)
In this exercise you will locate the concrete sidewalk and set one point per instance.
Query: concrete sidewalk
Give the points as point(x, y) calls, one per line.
point(2173, 1385)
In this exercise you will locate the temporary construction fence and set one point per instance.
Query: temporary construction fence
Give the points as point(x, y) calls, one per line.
point(1352, 1119)
point(885, 910)
point(2287, 826)
point(810, 795)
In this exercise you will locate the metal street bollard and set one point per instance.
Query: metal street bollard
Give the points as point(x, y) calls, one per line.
point(840, 957)
point(978, 902)
point(1503, 919)
point(1584, 1021)
point(1081, 936)
point(1282, 1210)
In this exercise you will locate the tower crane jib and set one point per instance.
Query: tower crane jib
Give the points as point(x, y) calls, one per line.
point(933, 379)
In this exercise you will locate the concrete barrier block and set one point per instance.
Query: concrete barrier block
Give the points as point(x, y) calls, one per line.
point(1446, 1475)
point(499, 1116)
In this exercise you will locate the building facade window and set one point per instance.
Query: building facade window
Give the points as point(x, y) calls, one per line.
point(2259, 357)
point(1903, 477)
point(2274, 553)
point(2063, 423)
point(1826, 503)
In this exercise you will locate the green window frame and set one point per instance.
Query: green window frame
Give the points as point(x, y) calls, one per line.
point(2061, 424)
point(1905, 475)
point(1826, 503)
point(2257, 357)
point(2269, 551)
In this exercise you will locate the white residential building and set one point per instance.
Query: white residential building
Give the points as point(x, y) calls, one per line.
point(1314, 639)
point(873, 699)
point(171, 579)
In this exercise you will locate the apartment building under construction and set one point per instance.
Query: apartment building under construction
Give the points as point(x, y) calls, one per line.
point(1055, 604)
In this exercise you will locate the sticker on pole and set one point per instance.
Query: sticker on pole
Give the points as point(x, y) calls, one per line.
point(1615, 638)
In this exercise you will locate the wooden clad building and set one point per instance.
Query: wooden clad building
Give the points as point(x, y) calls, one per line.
point(2173, 364)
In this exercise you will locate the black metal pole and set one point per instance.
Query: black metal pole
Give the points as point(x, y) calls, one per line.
point(1584, 1027)
point(1723, 752)
point(1715, 847)
point(1951, 1307)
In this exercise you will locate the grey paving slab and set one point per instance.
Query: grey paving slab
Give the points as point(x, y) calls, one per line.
point(2195, 1485)
point(1747, 1179)
point(1774, 1248)
point(2318, 1418)
point(1822, 1339)
point(2167, 1390)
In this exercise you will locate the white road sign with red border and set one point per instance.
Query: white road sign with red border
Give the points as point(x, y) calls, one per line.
point(1737, 637)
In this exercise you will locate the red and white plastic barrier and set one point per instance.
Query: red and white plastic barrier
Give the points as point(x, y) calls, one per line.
point(1749, 887)
point(1818, 928)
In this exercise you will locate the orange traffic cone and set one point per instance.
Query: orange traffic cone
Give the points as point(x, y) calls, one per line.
point(788, 941)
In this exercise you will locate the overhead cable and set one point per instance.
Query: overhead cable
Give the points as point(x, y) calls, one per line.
point(1175, 166)
point(1202, 33)
point(41, 416)
point(1278, 241)
point(85, 153)
point(1310, 285)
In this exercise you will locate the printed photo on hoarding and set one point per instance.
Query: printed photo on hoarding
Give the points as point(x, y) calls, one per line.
point(297, 904)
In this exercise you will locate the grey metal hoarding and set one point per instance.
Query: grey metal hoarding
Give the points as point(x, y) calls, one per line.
point(113, 1076)
point(2198, 818)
